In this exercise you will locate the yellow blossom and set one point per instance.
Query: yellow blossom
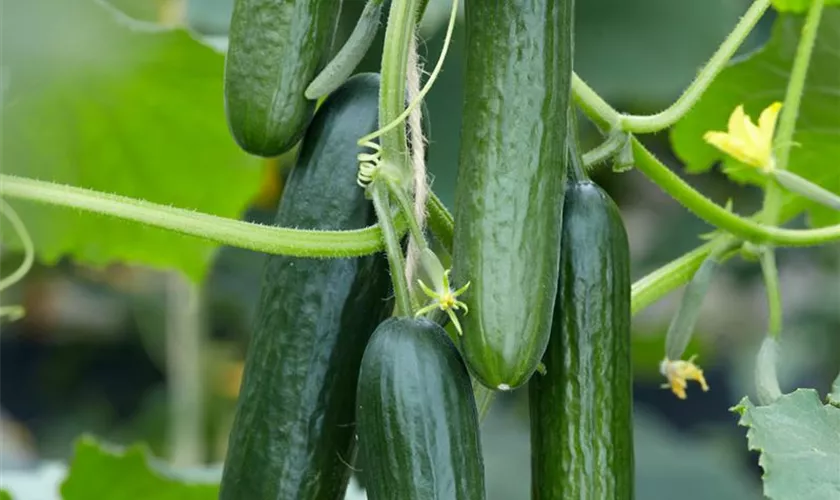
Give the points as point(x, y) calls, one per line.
point(748, 143)
point(679, 372)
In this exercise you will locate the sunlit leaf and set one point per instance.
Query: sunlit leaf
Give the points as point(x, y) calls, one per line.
point(95, 100)
point(761, 79)
point(799, 441)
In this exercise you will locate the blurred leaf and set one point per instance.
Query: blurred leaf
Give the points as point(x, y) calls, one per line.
point(5, 495)
point(799, 441)
point(762, 79)
point(115, 105)
point(798, 6)
point(125, 474)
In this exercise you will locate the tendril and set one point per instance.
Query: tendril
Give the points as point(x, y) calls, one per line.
point(16, 312)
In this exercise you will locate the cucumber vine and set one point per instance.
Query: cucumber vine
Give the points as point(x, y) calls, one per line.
point(392, 198)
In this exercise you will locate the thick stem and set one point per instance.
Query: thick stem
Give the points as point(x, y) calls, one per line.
point(718, 216)
point(692, 94)
point(393, 249)
point(790, 109)
point(398, 36)
point(268, 239)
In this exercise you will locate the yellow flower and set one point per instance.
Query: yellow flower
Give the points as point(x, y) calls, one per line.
point(679, 373)
point(747, 142)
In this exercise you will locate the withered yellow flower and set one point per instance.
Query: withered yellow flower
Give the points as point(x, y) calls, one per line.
point(747, 142)
point(679, 372)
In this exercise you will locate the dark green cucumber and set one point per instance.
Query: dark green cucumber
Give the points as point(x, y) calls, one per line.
point(417, 421)
point(581, 409)
point(293, 434)
point(509, 197)
point(276, 47)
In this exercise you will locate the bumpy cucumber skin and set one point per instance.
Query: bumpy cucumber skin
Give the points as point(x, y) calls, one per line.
point(511, 179)
point(417, 420)
point(581, 410)
point(276, 47)
point(293, 433)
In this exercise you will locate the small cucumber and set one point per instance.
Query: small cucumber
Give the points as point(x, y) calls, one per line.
point(581, 409)
point(293, 433)
point(417, 421)
point(275, 49)
point(511, 177)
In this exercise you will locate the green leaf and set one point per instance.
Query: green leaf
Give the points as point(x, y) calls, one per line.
point(126, 474)
point(799, 441)
point(93, 99)
point(756, 82)
point(797, 6)
point(5, 495)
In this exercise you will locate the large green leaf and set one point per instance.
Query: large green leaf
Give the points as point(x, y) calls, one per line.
point(798, 5)
point(94, 100)
point(762, 79)
point(126, 474)
point(799, 441)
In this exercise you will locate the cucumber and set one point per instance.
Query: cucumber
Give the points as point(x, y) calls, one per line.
point(275, 49)
point(511, 178)
point(293, 434)
point(581, 409)
point(417, 421)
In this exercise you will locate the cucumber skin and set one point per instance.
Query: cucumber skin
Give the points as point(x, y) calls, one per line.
point(417, 420)
point(276, 47)
point(293, 431)
point(511, 180)
point(581, 410)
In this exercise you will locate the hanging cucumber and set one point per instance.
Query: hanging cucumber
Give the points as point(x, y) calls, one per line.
point(581, 409)
point(509, 196)
point(275, 49)
point(417, 421)
point(293, 433)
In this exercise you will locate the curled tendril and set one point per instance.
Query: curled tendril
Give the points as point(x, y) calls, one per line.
point(445, 299)
point(369, 164)
point(16, 312)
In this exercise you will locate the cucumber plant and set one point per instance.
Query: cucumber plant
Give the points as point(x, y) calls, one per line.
point(540, 254)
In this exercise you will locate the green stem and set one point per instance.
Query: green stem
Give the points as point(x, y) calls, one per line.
point(594, 106)
point(790, 108)
point(350, 55)
point(268, 239)
point(401, 25)
point(407, 208)
point(774, 294)
point(659, 283)
point(605, 150)
point(671, 115)
point(393, 249)
point(718, 216)
point(806, 188)
point(440, 221)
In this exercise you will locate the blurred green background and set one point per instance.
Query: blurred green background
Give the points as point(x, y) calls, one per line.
point(131, 353)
